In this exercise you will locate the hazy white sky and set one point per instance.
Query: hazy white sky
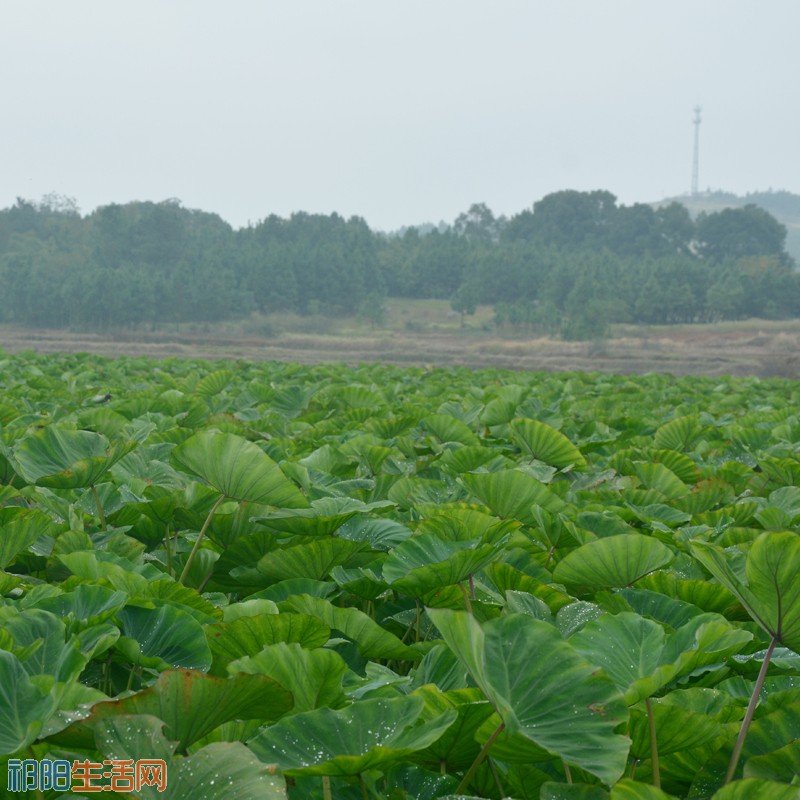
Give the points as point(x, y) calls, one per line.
point(400, 112)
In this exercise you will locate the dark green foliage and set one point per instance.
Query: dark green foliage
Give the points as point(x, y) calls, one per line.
point(571, 265)
point(403, 583)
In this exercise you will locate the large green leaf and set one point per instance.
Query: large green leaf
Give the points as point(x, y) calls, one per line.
point(191, 704)
point(471, 458)
point(19, 529)
point(24, 706)
point(550, 790)
point(676, 730)
point(88, 603)
point(314, 559)
point(67, 459)
point(163, 637)
point(542, 688)
point(513, 494)
point(237, 468)
point(628, 789)
point(770, 590)
point(662, 479)
point(757, 789)
point(545, 443)
point(369, 734)
point(164, 592)
point(449, 429)
point(373, 641)
point(678, 434)
point(457, 747)
point(41, 637)
point(325, 516)
point(782, 764)
point(615, 561)
point(246, 636)
point(427, 562)
point(218, 771)
point(705, 594)
point(314, 677)
point(641, 658)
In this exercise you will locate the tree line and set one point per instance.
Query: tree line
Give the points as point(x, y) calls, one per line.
point(570, 265)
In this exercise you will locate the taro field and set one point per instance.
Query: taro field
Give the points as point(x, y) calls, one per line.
point(331, 582)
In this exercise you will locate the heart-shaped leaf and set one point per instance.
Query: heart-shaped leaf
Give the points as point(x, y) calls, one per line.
point(542, 688)
point(369, 734)
point(770, 590)
point(61, 458)
point(237, 468)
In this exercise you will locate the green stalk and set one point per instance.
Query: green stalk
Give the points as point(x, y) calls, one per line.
point(168, 551)
point(134, 671)
point(470, 774)
point(326, 788)
point(39, 792)
point(651, 724)
point(196, 547)
point(99, 505)
point(407, 631)
point(751, 710)
point(496, 777)
point(107, 675)
point(467, 603)
point(206, 579)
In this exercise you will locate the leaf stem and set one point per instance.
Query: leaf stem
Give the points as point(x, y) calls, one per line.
point(168, 551)
point(751, 710)
point(205, 580)
point(130, 678)
point(196, 547)
point(567, 772)
point(496, 777)
point(470, 774)
point(99, 505)
point(326, 788)
point(467, 602)
point(107, 675)
point(651, 724)
point(39, 793)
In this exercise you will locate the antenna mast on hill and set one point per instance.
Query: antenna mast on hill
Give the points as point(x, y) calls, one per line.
point(696, 159)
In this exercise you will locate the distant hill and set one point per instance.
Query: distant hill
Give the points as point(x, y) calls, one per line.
point(784, 206)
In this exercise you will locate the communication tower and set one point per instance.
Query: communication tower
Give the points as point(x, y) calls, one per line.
point(696, 159)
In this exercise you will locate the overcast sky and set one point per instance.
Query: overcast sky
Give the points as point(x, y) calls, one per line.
point(400, 112)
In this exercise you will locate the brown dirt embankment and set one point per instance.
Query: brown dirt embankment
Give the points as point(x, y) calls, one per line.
point(764, 349)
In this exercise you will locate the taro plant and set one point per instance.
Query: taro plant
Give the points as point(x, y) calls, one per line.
point(316, 582)
point(238, 470)
point(60, 458)
point(767, 587)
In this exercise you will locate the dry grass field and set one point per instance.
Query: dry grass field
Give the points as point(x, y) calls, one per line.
point(428, 333)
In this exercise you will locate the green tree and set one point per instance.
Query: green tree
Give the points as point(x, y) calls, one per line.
point(373, 309)
point(465, 300)
point(735, 233)
point(479, 224)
